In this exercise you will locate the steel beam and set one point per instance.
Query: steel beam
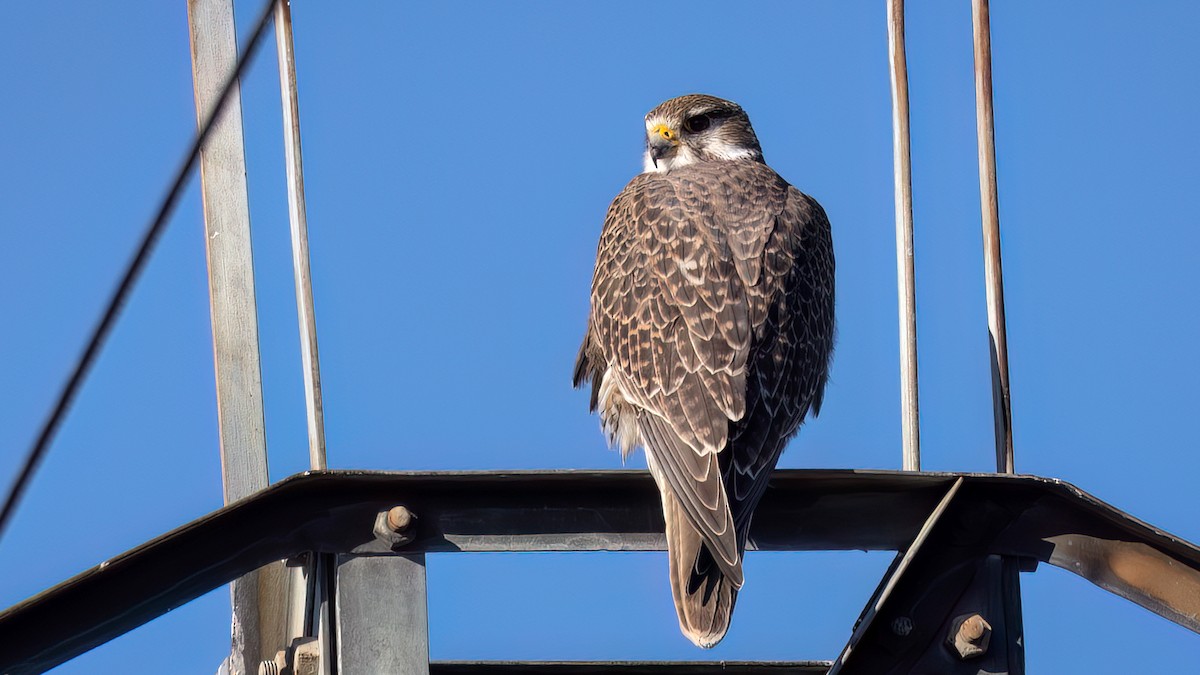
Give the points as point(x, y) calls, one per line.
point(382, 615)
point(1022, 517)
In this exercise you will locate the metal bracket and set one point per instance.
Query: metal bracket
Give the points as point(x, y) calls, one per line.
point(945, 606)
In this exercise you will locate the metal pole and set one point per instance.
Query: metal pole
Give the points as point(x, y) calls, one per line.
point(299, 227)
point(308, 598)
point(993, 273)
point(906, 277)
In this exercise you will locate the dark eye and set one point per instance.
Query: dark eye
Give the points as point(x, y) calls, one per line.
point(697, 123)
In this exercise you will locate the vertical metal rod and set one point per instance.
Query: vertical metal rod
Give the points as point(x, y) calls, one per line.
point(906, 277)
point(299, 228)
point(309, 593)
point(993, 273)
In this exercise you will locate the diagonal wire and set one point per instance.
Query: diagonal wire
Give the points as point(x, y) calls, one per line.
point(113, 310)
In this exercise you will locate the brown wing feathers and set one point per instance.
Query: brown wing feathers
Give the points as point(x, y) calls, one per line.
point(712, 310)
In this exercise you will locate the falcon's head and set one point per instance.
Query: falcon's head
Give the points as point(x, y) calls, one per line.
point(698, 128)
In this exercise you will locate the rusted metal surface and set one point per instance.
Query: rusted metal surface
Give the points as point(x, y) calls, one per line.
point(906, 276)
point(1019, 517)
point(1079, 533)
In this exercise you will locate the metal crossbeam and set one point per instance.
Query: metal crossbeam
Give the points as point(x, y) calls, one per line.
point(337, 512)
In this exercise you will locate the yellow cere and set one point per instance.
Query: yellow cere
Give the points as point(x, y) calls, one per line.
point(665, 131)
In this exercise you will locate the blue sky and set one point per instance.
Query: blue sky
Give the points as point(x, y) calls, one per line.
point(459, 159)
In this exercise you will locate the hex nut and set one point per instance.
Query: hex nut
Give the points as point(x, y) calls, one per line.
point(969, 636)
point(902, 626)
point(306, 656)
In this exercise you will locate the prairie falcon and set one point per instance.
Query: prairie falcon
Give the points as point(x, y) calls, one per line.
point(709, 336)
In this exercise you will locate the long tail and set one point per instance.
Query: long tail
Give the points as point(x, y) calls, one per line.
point(704, 595)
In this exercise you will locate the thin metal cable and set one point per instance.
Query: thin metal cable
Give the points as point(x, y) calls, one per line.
point(132, 271)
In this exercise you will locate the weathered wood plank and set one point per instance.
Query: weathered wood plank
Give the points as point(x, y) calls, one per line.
point(257, 597)
point(230, 265)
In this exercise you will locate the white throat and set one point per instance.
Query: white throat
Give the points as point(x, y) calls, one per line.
point(684, 156)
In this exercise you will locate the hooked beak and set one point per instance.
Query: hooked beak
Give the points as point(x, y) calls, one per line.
point(660, 142)
point(659, 150)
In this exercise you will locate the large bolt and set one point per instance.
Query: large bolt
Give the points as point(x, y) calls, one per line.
point(399, 518)
point(902, 626)
point(394, 527)
point(969, 636)
point(278, 666)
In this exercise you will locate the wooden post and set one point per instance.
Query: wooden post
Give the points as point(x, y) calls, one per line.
point(299, 228)
point(906, 277)
point(257, 597)
point(989, 205)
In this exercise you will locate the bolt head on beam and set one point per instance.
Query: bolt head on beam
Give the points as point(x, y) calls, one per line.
point(969, 636)
point(399, 518)
point(394, 527)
